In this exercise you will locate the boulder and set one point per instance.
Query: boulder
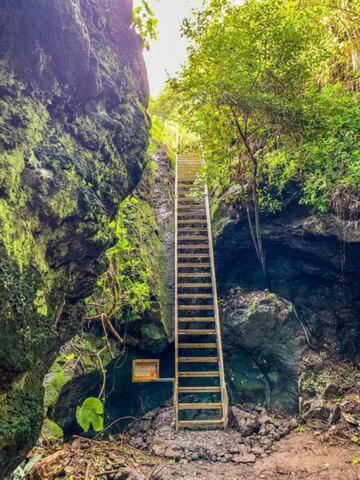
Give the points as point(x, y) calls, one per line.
point(304, 265)
point(244, 422)
point(263, 343)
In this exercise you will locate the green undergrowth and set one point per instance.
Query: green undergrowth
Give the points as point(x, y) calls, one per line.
point(80, 356)
point(138, 255)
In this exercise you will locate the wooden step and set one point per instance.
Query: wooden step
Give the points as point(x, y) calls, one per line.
point(194, 265)
point(194, 275)
point(196, 319)
point(193, 255)
point(194, 285)
point(195, 307)
point(200, 423)
point(208, 374)
point(197, 331)
point(194, 247)
point(198, 359)
point(199, 406)
point(195, 295)
point(193, 237)
point(191, 229)
point(199, 389)
point(188, 214)
point(197, 345)
point(183, 222)
point(186, 208)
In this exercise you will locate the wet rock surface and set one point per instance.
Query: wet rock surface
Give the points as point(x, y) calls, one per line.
point(251, 436)
point(312, 261)
point(264, 343)
point(73, 140)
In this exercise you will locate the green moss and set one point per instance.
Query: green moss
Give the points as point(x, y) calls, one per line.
point(51, 430)
point(57, 379)
point(40, 303)
point(64, 202)
point(21, 415)
point(16, 235)
point(11, 166)
point(37, 117)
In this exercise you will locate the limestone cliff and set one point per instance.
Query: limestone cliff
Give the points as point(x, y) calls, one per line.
point(73, 137)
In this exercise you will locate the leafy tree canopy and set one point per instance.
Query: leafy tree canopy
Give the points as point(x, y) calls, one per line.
point(271, 89)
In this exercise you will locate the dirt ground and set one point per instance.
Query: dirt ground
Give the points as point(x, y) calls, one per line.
point(297, 456)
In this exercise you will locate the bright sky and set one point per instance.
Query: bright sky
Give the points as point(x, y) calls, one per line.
point(168, 52)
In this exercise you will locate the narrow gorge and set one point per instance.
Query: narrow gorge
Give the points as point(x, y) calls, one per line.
point(268, 98)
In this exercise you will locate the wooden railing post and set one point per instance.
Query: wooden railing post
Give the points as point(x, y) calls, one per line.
point(224, 396)
point(176, 325)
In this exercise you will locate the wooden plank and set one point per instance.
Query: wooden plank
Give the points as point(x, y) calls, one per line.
point(206, 374)
point(195, 307)
point(191, 229)
point(200, 423)
point(195, 295)
point(197, 345)
point(193, 237)
point(196, 221)
point(194, 285)
point(186, 208)
point(193, 275)
point(194, 265)
point(192, 247)
point(193, 255)
point(200, 406)
point(196, 319)
point(199, 389)
point(198, 359)
point(191, 331)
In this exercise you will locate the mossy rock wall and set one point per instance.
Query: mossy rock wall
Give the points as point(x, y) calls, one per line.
point(73, 137)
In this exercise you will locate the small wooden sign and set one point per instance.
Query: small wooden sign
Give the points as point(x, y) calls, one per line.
point(145, 370)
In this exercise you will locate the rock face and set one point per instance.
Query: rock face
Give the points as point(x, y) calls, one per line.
point(153, 329)
point(263, 344)
point(73, 136)
point(313, 261)
point(75, 374)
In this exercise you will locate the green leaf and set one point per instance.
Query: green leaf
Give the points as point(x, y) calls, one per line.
point(90, 414)
point(94, 404)
point(356, 460)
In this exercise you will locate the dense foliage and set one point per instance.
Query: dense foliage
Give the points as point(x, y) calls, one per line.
point(270, 88)
point(124, 291)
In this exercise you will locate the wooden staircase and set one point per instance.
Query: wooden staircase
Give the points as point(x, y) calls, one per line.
point(200, 396)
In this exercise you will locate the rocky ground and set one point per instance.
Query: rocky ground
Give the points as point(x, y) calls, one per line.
point(257, 445)
point(251, 436)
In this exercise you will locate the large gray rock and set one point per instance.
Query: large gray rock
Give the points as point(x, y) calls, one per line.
point(313, 260)
point(73, 141)
point(263, 343)
point(244, 422)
